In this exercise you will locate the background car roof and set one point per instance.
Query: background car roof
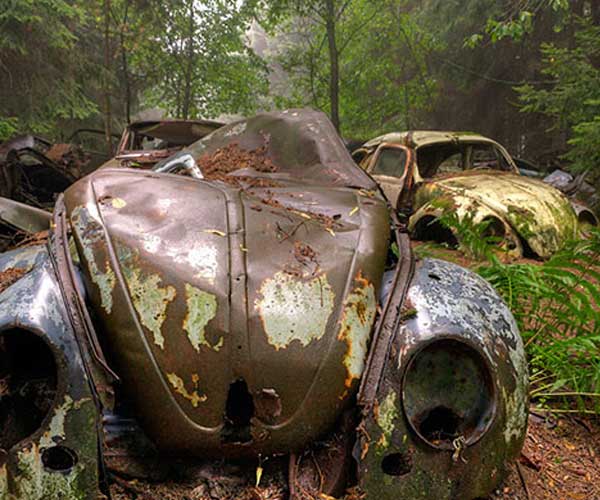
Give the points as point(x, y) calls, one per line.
point(418, 138)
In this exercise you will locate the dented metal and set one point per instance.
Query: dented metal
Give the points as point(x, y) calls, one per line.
point(249, 313)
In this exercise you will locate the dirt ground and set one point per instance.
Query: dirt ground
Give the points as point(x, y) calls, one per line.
point(560, 461)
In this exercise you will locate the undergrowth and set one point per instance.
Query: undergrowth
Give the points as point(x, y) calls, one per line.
point(557, 306)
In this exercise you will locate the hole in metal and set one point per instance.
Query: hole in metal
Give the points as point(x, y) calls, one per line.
point(448, 393)
point(59, 459)
point(28, 379)
point(440, 424)
point(239, 411)
point(396, 464)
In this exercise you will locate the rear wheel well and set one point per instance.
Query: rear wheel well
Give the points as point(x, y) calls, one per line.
point(429, 228)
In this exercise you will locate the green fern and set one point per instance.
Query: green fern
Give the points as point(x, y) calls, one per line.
point(557, 307)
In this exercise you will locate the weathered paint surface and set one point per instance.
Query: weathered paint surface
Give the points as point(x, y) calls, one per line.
point(385, 416)
point(149, 298)
point(357, 321)
point(537, 212)
point(295, 309)
point(194, 397)
point(449, 302)
point(89, 231)
point(201, 309)
point(35, 303)
point(202, 257)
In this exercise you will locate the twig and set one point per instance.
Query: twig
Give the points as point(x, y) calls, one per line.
point(523, 482)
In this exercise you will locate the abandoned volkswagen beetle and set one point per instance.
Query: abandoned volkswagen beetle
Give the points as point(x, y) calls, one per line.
point(428, 174)
point(250, 305)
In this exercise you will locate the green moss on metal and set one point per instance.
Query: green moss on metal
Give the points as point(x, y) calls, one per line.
point(387, 414)
point(201, 309)
point(293, 309)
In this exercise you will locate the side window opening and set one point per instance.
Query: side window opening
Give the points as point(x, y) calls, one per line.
point(390, 162)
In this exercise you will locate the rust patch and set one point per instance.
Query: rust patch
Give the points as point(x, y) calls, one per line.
point(357, 321)
point(10, 276)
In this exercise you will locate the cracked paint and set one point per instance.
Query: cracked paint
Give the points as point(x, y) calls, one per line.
point(178, 384)
point(387, 413)
point(294, 309)
point(90, 232)
point(149, 299)
point(201, 309)
point(357, 321)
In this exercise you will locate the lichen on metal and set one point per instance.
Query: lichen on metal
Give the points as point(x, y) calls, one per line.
point(88, 231)
point(201, 309)
point(194, 397)
point(385, 417)
point(294, 309)
point(357, 321)
point(35, 483)
point(149, 298)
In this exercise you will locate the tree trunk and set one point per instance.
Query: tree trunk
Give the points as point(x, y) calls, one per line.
point(334, 73)
point(187, 97)
point(125, 65)
point(106, 79)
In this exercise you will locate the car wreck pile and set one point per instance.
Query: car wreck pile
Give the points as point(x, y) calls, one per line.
point(240, 300)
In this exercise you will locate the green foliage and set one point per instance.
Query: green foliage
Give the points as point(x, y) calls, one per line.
point(197, 61)
point(571, 99)
point(475, 240)
point(557, 307)
point(516, 20)
point(8, 128)
point(42, 74)
point(385, 83)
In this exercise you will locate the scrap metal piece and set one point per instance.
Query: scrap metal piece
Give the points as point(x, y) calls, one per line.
point(24, 217)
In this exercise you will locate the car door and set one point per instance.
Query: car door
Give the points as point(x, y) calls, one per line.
point(389, 166)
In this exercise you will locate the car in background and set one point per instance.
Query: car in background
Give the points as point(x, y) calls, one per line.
point(430, 175)
point(145, 143)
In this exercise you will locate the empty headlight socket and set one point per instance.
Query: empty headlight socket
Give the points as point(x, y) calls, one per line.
point(449, 393)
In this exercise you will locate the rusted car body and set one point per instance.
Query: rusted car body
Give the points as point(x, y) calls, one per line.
point(428, 174)
point(145, 143)
point(255, 311)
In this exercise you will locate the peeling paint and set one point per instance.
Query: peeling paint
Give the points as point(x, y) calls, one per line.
point(89, 232)
point(357, 321)
point(149, 299)
point(193, 397)
point(118, 203)
point(201, 309)
point(388, 412)
point(294, 309)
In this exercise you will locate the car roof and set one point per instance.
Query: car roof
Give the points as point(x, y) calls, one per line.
point(418, 138)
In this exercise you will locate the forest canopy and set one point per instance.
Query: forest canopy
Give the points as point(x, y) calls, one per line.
point(522, 71)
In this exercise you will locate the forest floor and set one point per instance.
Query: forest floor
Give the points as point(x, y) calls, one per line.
point(560, 461)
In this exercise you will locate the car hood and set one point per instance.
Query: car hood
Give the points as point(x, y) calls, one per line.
point(540, 214)
point(222, 304)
